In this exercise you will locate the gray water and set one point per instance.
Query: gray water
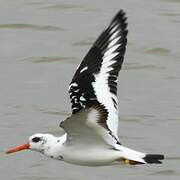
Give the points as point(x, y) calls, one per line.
point(41, 43)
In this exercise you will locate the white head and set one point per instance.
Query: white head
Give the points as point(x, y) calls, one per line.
point(43, 143)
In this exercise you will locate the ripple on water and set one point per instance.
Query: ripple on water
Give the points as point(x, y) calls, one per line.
point(87, 42)
point(52, 111)
point(30, 27)
point(54, 59)
point(157, 51)
point(170, 78)
point(168, 172)
point(38, 177)
point(131, 137)
point(36, 164)
point(133, 66)
point(34, 3)
point(171, 1)
point(71, 7)
point(170, 14)
point(64, 113)
point(129, 119)
point(172, 17)
point(137, 118)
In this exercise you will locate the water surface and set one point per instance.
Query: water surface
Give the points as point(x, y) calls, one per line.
point(43, 41)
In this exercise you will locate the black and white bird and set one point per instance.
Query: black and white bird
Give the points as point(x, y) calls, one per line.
point(91, 132)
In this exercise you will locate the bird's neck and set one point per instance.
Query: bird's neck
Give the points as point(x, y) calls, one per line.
point(54, 148)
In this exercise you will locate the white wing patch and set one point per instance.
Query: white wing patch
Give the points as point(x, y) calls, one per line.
point(84, 69)
point(103, 93)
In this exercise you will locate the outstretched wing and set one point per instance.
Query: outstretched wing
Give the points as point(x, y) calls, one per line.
point(88, 127)
point(96, 77)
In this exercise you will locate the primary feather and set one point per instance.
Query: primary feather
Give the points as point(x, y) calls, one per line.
point(96, 77)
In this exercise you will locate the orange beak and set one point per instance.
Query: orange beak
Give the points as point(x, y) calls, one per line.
point(18, 148)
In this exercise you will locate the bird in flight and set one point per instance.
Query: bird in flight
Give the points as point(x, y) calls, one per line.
point(91, 132)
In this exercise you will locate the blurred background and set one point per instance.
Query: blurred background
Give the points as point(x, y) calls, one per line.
point(41, 44)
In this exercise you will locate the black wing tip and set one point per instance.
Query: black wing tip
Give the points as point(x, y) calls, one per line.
point(120, 15)
point(122, 18)
point(154, 158)
point(120, 21)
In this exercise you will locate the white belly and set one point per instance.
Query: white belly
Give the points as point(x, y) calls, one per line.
point(90, 157)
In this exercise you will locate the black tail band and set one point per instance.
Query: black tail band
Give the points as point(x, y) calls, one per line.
point(154, 158)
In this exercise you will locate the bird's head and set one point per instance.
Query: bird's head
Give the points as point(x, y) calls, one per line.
point(40, 142)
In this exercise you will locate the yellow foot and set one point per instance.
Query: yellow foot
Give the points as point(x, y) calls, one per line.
point(130, 162)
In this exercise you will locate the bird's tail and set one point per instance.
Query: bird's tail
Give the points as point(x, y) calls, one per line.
point(153, 158)
point(133, 157)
